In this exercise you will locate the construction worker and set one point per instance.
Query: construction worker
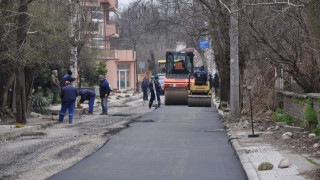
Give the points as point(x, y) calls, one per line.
point(154, 87)
point(55, 86)
point(201, 76)
point(68, 97)
point(104, 94)
point(67, 76)
point(144, 87)
point(87, 95)
point(201, 71)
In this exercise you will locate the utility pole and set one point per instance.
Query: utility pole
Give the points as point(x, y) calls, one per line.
point(234, 61)
point(74, 24)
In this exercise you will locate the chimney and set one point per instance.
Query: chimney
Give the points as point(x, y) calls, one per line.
point(181, 46)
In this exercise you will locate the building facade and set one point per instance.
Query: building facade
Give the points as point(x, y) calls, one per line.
point(119, 63)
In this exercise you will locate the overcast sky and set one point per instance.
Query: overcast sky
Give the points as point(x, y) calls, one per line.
point(124, 3)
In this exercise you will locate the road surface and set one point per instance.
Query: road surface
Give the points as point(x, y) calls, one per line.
point(181, 143)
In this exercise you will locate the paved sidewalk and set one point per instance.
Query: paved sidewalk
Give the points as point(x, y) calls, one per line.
point(253, 151)
point(36, 123)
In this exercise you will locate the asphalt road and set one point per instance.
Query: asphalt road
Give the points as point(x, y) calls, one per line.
point(182, 143)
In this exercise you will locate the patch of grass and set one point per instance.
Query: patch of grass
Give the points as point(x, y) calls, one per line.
point(276, 114)
point(280, 116)
point(310, 115)
point(312, 161)
point(316, 131)
point(300, 101)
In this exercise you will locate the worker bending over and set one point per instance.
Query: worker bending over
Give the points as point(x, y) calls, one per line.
point(87, 95)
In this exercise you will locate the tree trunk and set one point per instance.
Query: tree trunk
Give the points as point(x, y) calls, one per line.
point(234, 63)
point(223, 66)
point(224, 77)
point(29, 85)
point(20, 85)
point(314, 23)
point(6, 89)
point(20, 97)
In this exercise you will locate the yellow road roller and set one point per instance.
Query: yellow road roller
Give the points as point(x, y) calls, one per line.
point(199, 92)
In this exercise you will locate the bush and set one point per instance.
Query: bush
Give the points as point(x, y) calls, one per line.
point(278, 113)
point(39, 103)
point(285, 118)
point(310, 115)
point(5, 112)
point(280, 116)
point(316, 131)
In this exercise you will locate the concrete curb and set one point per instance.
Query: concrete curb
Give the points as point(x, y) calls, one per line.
point(12, 133)
point(246, 164)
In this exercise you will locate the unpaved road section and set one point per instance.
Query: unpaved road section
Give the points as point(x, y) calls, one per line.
point(62, 145)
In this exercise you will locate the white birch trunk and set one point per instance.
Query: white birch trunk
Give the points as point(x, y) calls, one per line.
point(234, 62)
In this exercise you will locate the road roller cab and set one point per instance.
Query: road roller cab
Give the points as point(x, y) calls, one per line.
point(178, 67)
point(199, 93)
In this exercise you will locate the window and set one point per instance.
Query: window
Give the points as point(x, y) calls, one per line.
point(98, 42)
point(123, 76)
point(96, 14)
point(179, 63)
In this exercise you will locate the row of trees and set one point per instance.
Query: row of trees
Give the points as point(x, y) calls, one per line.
point(280, 36)
point(274, 36)
point(35, 39)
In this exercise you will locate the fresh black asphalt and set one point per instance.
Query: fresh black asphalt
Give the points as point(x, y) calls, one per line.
point(182, 143)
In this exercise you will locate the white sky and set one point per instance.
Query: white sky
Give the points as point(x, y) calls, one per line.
point(124, 3)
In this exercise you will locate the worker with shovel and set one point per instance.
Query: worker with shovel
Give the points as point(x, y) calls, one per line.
point(155, 87)
point(87, 95)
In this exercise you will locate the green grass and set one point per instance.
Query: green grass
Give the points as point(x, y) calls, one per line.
point(310, 115)
point(300, 101)
point(316, 131)
point(312, 161)
point(280, 116)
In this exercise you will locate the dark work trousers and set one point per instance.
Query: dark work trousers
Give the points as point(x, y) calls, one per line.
point(104, 104)
point(63, 111)
point(153, 98)
point(54, 98)
point(145, 94)
point(91, 103)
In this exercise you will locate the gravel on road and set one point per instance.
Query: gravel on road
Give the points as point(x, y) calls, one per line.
point(62, 145)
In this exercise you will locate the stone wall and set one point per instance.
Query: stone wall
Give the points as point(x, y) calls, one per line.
point(295, 104)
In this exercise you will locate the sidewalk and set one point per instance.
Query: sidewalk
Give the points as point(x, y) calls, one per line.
point(34, 124)
point(253, 151)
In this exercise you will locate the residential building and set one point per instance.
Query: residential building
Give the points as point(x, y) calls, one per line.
point(120, 63)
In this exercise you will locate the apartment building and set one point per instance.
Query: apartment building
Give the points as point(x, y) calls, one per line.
point(120, 63)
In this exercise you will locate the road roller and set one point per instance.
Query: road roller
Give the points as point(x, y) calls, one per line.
point(178, 67)
point(199, 92)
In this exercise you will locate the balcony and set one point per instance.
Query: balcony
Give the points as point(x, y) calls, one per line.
point(126, 55)
point(114, 54)
point(111, 5)
point(105, 54)
point(111, 31)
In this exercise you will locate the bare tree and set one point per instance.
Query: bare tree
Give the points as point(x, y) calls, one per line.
point(283, 36)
